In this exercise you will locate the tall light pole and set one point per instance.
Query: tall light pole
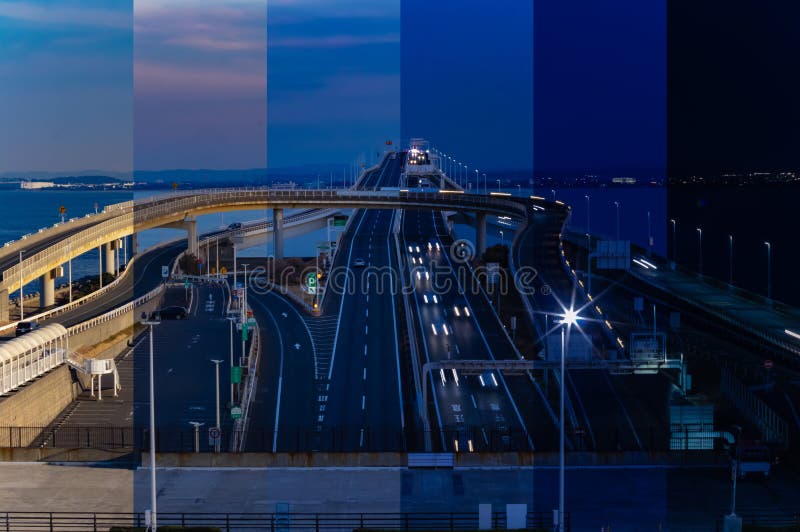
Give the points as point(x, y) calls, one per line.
point(477, 181)
point(502, 238)
point(674, 223)
point(649, 236)
point(21, 300)
point(554, 193)
point(458, 179)
point(588, 213)
point(616, 204)
point(568, 319)
point(730, 260)
point(196, 425)
point(485, 185)
point(699, 251)
point(216, 372)
point(466, 176)
point(153, 522)
point(498, 185)
point(769, 271)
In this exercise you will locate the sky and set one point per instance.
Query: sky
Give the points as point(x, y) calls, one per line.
point(560, 87)
point(66, 90)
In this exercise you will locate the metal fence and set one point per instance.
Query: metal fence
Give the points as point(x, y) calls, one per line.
point(86, 521)
point(341, 439)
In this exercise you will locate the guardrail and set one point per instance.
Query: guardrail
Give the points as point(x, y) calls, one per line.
point(75, 303)
point(240, 425)
point(119, 311)
point(165, 209)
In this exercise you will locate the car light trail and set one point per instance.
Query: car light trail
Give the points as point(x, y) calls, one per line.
point(455, 376)
point(493, 379)
point(433, 328)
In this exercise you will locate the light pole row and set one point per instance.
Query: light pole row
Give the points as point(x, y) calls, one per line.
point(699, 230)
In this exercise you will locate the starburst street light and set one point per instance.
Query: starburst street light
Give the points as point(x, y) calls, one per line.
point(570, 317)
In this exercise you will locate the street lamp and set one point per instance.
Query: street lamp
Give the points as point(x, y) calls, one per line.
point(196, 425)
point(588, 214)
point(616, 204)
point(485, 185)
point(498, 185)
point(477, 181)
point(502, 238)
point(700, 251)
point(730, 260)
point(153, 524)
point(554, 193)
point(674, 223)
point(217, 362)
point(569, 318)
point(649, 236)
point(769, 271)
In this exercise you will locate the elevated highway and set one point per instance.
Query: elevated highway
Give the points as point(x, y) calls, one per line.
point(179, 209)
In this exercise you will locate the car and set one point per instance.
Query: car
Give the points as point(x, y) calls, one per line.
point(24, 327)
point(359, 263)
point(173, 313)
point(235, 226)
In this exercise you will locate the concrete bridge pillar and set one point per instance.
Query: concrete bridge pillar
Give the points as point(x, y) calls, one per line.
point(4, 305)
point(47, 289)
point(134, 244)
point(194, 243)
point(480, 233)
point(277, 232)
point(109, 261)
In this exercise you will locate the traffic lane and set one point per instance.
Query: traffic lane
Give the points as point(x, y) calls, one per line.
point(343, 412)
point(381, 403)
point(145, 276)
point(184, 374)
point(532, 407)
point(50, 242)
point(465, 338)
point(283, 409)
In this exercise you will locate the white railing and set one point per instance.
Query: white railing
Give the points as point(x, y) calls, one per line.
point(119, 311)
point(164, 209)
point(77, 302)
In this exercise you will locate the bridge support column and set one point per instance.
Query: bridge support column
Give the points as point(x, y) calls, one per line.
point(4, 305)
point(277, 232)
point(47, 289)
point(109, 262)
point(194, 243)
point(480, 234)
point(134, 245)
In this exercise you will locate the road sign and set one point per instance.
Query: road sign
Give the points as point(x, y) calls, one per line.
point(244, 333)
point(165, 271)
point(236, 374)
point(339, 221)
point(186, 283)
point(236, 412)
point(311, 283)
point(214, 436)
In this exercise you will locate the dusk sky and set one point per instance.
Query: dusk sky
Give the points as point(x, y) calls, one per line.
point(67, 87)
point(115, 85)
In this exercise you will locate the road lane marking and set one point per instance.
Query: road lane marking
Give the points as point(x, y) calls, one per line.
point(365, 374)
point(363, 402)
point(365, 349)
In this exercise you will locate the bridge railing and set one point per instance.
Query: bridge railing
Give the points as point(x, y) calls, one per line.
point(77, 302)
point(119, 311)
point(175, 206)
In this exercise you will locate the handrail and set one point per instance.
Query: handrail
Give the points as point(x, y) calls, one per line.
point(119, 311)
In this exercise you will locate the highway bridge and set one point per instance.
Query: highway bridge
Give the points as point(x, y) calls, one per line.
point(352, 379)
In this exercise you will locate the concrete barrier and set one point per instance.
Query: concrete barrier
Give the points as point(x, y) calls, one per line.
point(36, 405)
